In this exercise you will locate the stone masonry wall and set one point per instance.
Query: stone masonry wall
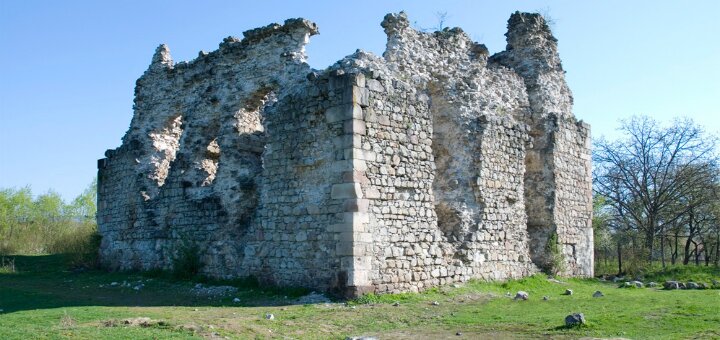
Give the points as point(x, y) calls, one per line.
point(436, 163)
point(558, 180)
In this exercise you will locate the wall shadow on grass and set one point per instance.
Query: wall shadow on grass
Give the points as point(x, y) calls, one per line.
point(45, 281)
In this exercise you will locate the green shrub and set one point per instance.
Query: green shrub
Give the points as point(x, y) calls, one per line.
point(80, 243)
point(186, 264)
point(7, 265)
point(556, 264)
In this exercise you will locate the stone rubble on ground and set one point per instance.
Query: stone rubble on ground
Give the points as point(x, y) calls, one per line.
point(598, 294)
point(670, 285)
point(575, 319)
point(568, 292)
point(212, 291)
point(313, 298)
point(692, 285)
point(521, 295)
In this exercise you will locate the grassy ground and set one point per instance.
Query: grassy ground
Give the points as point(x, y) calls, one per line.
point(41, 300)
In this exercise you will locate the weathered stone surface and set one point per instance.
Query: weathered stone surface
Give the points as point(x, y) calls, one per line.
point(670, 285)
point(434, 164)
point(575, 319)
point(692, 285)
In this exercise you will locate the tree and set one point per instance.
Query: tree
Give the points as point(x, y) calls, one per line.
point(16, 206)
point(85, 206)
point(650, 175)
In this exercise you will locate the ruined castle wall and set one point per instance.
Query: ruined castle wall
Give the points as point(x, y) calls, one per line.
point(558, 165)
point(303, 195)
point(445, 103)
point(406, 252)
point(573, 195)
point(433, 164)
point(186, 174)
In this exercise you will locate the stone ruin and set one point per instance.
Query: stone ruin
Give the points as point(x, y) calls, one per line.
point(436, 163)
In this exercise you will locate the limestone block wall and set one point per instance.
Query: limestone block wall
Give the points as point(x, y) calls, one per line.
point(187, 173)
point(558, 165)
point(574, 196)
point(435, 163)
point(301, 190)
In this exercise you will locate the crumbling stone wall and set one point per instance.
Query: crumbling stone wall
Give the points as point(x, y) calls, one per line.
point(557, 181)
point(436, 163)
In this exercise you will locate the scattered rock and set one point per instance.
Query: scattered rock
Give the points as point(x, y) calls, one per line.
point(632, 284)
point(138, 287)
point(568, 292)
point(313, 297)
point(458, 333)
point(435, 303)
point(395, 304)
point(134, 322)
point(652, 284)
point(521, 295)
point(545, 298)
point(554, 280)
point(213, 291)
point(670, 285)
point(637, 284)
point(618, 279)
point(575, 319)
point(190, 328)
point(692, 285)
point(236, 300)
point(269, 316)
point(362, 337)
point(598, 294)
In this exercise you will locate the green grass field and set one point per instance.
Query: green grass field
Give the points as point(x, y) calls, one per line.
point(40, 299)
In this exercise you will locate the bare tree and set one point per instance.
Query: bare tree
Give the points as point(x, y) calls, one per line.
point(649, 176)
point(441, 20)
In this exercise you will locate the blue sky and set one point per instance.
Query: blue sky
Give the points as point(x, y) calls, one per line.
point(69, 67)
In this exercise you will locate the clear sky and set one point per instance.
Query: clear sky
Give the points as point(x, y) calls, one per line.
point(68, 68)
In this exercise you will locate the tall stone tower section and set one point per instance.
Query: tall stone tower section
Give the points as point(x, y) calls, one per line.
point(558, 181)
